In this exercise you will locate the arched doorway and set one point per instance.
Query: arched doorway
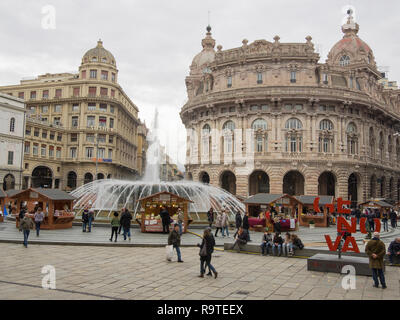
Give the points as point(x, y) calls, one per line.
point(258, 182)
point(100, 176)
point(204, 177)
point(326, 184)
point(293, 183)
point(87, 178)
point(228, 181)
point(352, 190)
point(9, 182)
point(71, 180)
point(42, 177)
point(372, 192)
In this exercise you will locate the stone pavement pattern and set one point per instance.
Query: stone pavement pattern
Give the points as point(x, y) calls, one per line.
point(143, 273)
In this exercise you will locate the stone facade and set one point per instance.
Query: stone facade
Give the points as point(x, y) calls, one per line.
point(269, 117)
point(72, 117)
point(12, 123)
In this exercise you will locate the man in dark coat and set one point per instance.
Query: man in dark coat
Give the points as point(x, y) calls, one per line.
point(85, 219)
point(393, 218)
point(246, 226)
point(394, 250)
point(358, 215)
point(375, 249)
point(125, 221)
point(165, 219)
point(174, 239)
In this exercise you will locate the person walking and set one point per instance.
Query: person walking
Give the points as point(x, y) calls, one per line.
point(358, 215)
point(90, 220)
point(115, 224)
point(370, 218)
point(393, 218)
point(206, 250)
point(125, 221)
point(238, 222)
point(25, 225)
point(39, 216)
point(375, 249)
point(120, 225)
point(174, 239)
point(165, 219)
point(241, 239)
point(210, 217)
point(277, 244)
point(246, 226)
point(85, 219)
point(225, 224)
point(394, 250)
point(266, 243)
point(21, 214)
point(218, 224)
point(385, 221)
point(180, 220)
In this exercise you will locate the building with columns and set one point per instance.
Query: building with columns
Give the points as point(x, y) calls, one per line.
point(80, 126)
point(12, 127)
point(270, 117)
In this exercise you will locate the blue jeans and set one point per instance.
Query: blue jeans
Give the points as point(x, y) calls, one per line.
point(223, 231)
point(206, 261)
point(37, 223)
point(378, 273)
point(180, 227)
point(26, 236)
point(127, 232)
point(84, 224)
point(265, 247)
point(287, 247)
point(178, 252)
point(90, 224)
point(279, 246)
point(385, 225)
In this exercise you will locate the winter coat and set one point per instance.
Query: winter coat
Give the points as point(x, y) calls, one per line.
point(210, 243)
point(210, 216)
point(267, 238)
point(174, 238)
point(180, 216)
point(393, 216)
point(278, 240)
point(378, 247)
point(246, 224)
point(125, 220)
point(394, 247)
point(91, 215)
point(219, 220)
point(225, 220)
point(26, 223)
point(298, 243)
point(165, 216)
point(238, 220)
point(85, 217)
point(39, 216)
point(243, 236)
point(385, 217)
point(115, 222)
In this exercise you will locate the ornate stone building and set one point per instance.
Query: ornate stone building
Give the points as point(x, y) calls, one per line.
point(269, 117)
point(71, 117)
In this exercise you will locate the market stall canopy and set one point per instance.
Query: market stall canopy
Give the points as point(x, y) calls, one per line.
point(309, 200)
point(2, 194)
point(51, 194)
point(267, 198)
point(159, 197)
point(374, 203)
point(11, 193)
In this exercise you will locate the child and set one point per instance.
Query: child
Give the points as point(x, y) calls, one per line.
point(114, 226)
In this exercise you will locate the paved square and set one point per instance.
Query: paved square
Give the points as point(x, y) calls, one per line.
point(143, 273)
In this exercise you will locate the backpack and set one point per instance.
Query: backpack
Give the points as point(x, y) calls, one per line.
point(203, 251)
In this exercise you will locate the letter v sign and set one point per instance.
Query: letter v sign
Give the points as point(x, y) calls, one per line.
point(332, 247)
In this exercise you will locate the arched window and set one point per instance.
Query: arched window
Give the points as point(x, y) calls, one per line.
point(352, 139)
point(326, 125)
point(326, 137)
point(259, 127)
point(205, 140)
point(372, 143)
point(381, 146)
point(344, 61)
point(294, 137)
point(229, 125)
point(206, 129)
point(12, 124)
point(228, 129)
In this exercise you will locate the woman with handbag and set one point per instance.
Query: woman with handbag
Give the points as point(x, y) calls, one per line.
point(206, 250)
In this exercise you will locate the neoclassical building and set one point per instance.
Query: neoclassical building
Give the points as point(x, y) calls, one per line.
point(270, 117)
point(80, 126)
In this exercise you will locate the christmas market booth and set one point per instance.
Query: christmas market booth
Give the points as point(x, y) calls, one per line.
point(308, 213)
point(56, 204)
point(152, 205)
point(376, 205)
point(267, 209)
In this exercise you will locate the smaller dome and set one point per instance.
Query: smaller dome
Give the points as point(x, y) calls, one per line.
point(99, 54)
point(207, 55)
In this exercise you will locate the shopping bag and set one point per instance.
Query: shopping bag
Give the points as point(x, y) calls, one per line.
point(169, 251)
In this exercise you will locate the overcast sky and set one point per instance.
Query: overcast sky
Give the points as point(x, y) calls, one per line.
point(154, 42)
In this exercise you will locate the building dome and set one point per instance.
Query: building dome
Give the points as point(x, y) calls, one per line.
point(207, 55)
point(350, 49)
point(99, 54)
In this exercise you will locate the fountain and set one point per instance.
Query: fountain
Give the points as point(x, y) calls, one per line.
point(110, 195)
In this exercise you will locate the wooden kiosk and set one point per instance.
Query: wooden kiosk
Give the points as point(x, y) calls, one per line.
point(151, 207)
point(278, 206)
point(380, 205)
point(56, 204)
point(308, 213)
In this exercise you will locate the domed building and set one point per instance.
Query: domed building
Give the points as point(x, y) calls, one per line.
point(269, 117)
point(80, 126)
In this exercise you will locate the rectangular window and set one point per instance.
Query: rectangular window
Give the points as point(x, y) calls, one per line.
point(91, 107)
point(232, 109)
point(112, 109)
point(298, 107)
point(57, 108)
point(110, 153)
point(27, 148)
point(45, 109)
point(101, 138)
point(259, 78)
point(59, 137)
point(253, 108)
point(265, 108)
point(58, 153)
point(51, 152)
point(36, 133)
point(288, 107)
point(52, 134)
point(103, 107)
point(44, 134)
point(33, 94)
point(89, 152)
point(259, 143)
point(104, 92)
point(45, 94)
point(57, 121)
point(102, 122)
point(21, 95)
point(113, 77)
point(113, 93)
point(43, 150)
point(229, 82)
point(90, 137)
point(76, 92)
point(72, 153)
point(325, 78)
point(91, 121)
point(110, 139)
point(111, 123)
point(104, 75)
point(75, 121)
point(10, 157)
point(84, 74)
point(75, 108)
point(35, 149)
point(58, 93)
point(293, 76)
point(74, 137)
point(28, 131)
point(93, 74)
point(92, 91)
point(101, 153)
